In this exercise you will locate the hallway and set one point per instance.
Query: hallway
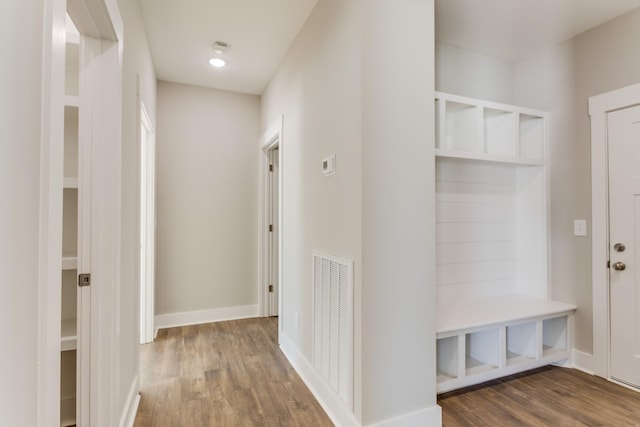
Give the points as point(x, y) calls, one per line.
point(223, 374)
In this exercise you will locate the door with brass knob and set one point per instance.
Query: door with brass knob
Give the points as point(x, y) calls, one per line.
point(619, 266)
point(623, 127)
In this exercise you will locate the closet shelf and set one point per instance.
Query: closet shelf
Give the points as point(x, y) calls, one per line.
point(71, 101)
point(68, 412)
point(69, 261)
point(70, 183)
point(69, 334)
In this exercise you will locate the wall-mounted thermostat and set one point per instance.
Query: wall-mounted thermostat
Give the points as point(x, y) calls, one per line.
point(329, 165)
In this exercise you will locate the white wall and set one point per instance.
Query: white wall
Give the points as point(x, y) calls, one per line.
point(20, 106)
point(317, 89)
point(137, 66)
point(472, 74)
point(207, 199)
point(331, 87)
point(398, 215)
point(560, 80)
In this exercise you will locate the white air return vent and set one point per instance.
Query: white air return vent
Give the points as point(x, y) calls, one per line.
point(333, 323)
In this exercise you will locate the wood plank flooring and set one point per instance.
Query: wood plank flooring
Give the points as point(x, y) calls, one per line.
point(223, 374)
point(549, 396)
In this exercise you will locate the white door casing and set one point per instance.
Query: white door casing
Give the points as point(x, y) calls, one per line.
point(623, 131)
point(270, 145)
point(599, 108)
point(274, 155)
point(147, 226)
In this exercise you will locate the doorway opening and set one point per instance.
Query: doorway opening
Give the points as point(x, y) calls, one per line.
point(147, 226)
point(269, 284)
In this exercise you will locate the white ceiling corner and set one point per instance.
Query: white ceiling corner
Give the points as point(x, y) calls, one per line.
point(514, 29)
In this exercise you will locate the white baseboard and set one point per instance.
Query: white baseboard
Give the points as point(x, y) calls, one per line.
point(428, 417)
point(583, 361)
point(172, 320)
point(128, 416)
point(335, 408)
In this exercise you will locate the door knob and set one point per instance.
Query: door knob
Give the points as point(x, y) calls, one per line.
point(619, 266)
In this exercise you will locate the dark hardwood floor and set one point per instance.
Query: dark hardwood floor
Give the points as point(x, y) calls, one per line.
point(223, 374)
point(549, 396)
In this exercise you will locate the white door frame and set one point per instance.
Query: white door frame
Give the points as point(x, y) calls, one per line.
point(101, 21)
point(599, 107)
point(270, 140)
point(147, 225)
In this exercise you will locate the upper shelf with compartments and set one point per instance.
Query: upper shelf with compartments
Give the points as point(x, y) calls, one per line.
point(468, 128)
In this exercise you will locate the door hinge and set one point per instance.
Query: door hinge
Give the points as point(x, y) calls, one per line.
point(84, 279)
point(270, 288)
point(270, 168)
point(271, 228)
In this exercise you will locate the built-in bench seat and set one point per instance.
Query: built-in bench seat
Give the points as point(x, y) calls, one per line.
point(483, 339)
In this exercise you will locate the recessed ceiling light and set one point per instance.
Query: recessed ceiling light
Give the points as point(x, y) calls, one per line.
point(217, 62)
point(220, 47)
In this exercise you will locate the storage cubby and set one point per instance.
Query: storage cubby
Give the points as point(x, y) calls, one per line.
point(499, 132)
point(554, 336)
point(521, 343)
point(531, 136)
point(462, 127)
point(447, 357)
point(475, 129)
point(482, 351)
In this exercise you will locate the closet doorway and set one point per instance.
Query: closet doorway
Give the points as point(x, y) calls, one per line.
point(270, 292)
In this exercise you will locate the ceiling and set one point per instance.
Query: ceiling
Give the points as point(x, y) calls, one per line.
point(182, 32)
point(515, 29)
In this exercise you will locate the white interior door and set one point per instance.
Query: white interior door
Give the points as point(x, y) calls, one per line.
point(624, 232)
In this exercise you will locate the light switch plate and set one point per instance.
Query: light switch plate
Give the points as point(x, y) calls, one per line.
point(579, 227)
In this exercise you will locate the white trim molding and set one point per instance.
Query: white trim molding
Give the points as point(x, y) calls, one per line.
point(130, 409)
point(172, 320)
point(336, 409)
point(270, 139)
point(330, 401)
point(583, 361)
point(599, 107)
point(429, 417)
